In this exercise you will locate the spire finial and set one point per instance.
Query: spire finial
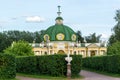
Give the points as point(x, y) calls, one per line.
point(59, 11)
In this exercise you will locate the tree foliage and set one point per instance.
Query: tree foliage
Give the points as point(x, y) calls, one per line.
point(20, 48)
point(4, 41)
point(116, 30)
point(39, 36)
point(7, 37)
point(114, 48)
point(92, 38)
point(79, 35)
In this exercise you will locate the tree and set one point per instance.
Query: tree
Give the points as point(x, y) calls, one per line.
point(20, 35)
point(114, 48)
point(80, 38)
point(4, 41)
point(116, 30)
point(7, 37)
point(92, 38)
point(39, 36)
point(20, 48)
point(112, 40)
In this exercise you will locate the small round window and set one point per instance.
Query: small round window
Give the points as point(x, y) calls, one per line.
point(60, 36)
point(46, 37)
point(73, 37)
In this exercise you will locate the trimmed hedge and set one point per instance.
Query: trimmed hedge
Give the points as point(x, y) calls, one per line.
point(76, 64)
point(26, 64)
point(103, 63)
point(7, 66)
point(53, 65)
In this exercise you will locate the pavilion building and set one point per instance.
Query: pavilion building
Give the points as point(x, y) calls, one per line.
point(61, 39)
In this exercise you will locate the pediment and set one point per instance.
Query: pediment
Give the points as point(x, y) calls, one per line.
point(93, 45)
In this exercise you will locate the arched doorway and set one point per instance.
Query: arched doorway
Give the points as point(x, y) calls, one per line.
point(92, 53)
point(61, 52)
point(74, 52)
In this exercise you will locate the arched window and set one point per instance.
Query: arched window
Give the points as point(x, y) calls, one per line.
point(74, 52)
point(45, 53)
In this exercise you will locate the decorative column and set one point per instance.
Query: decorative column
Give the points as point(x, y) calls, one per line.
point(48, 45)
point(48, 52)
point(53, 51)
point(97, 53)
point(68, 59)
point(40, 53)
point(80, 52)
point(85, 53)
point(88, 53)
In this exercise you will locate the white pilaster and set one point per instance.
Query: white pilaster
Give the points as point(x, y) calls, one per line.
point(85, 54)
point(97, 52)
point(88, 53)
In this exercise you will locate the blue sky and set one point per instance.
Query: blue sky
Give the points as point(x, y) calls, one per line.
point(88, 16)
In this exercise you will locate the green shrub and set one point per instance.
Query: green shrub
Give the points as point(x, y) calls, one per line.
point(20, 48)
point(114, 48)
point(26, 64)
point(7, 66)
point(53, 65)
point(103, 63)
point(76, 64)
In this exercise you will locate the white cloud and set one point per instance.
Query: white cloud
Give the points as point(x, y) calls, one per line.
point(14, 18)
point(35, 19)
point(3, 21)
point(105, 36)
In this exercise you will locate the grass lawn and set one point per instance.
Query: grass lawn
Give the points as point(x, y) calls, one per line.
point(47, 77)
point(104, 73)
point(9, 79)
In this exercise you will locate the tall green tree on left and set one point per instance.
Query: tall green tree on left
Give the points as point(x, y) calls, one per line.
point(20, 48)
point(7, 37)
point(4, 41)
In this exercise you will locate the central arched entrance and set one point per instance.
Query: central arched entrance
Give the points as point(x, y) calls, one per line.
point(61, 52)
point(92, 53)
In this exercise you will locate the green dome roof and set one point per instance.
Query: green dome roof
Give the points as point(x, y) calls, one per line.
point(60, 33)
point(59, 18)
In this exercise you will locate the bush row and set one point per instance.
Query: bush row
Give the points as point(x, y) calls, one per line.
point(53, 65)
point(104, 63)
point(7, 66)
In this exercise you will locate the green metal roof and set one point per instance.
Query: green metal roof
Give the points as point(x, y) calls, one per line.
point(59, 18)
point(56, 29)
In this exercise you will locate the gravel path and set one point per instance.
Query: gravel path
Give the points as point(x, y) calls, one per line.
point(27, 78)
point(86, 74)
point(95, 76)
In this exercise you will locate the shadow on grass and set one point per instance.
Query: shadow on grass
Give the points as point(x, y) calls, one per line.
point(48, 77)
point(10, 79)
